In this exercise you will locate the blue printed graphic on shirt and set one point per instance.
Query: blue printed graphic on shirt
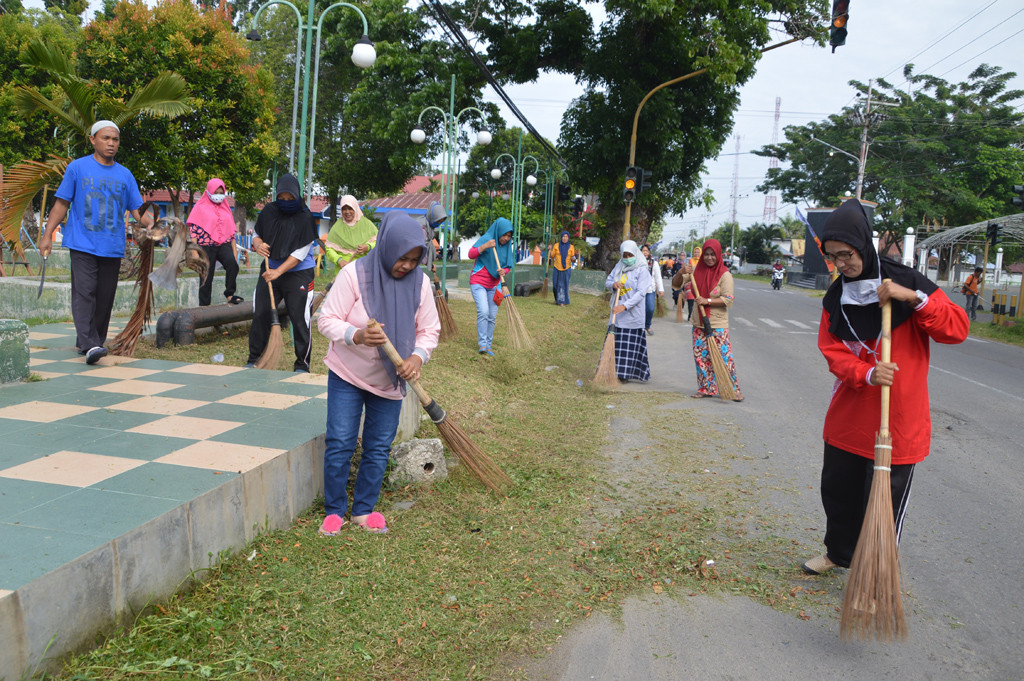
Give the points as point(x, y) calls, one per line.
point(98, 196)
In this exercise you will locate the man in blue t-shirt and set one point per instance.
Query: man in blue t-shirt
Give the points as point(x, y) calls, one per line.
point(94, 194)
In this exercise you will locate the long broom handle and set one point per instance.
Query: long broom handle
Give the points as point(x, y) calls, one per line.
point(397, 360)
point(497, 263)
point(700, 313)
point(886, 356)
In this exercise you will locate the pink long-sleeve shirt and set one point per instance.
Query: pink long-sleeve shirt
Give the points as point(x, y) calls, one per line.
point(343, 314)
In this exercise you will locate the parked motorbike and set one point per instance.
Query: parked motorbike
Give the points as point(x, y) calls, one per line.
point(777, 277)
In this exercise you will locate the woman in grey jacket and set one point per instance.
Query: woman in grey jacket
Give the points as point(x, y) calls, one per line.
point(629, 281)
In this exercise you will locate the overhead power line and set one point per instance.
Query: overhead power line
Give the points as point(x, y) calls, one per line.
point(940, 38)
point(458, 37)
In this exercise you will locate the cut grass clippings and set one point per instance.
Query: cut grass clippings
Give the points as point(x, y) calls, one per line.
point(466, 583)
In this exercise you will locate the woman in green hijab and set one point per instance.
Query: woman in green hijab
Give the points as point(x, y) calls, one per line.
point(352, 236)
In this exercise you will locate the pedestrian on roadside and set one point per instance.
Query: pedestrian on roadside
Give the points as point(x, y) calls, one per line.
point(352, 235)
point(629, 281)
point(211, 224)
point(713, 298)
point(849, 337)
point(677, 282)
point(285, 232)
point(655, 289)
point(485, 278)
point(386, 285)
point(94, 194)
point(970, 291)
point(563, 255)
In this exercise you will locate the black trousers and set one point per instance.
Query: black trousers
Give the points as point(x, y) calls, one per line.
point(222, 254)
point(93, 288)
point(296, 288)
point(845, 488)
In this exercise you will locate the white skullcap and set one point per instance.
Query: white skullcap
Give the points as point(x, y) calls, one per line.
point(99, 125)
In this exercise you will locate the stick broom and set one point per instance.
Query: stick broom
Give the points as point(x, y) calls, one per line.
point(873, 604)
point(275, 343)
point(518, 335)
point(476, 460)
point(606, 376)
point(723, 380)
point(448, 326)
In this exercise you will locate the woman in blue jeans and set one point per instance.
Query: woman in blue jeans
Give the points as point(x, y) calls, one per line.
point(485, 278)
point(386, 285)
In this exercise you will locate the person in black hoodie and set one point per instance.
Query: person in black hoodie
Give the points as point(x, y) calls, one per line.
point(285, 232)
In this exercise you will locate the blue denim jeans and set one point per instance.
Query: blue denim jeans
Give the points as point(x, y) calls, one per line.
point(345, 403)
point(486, 313)
point(649, 302)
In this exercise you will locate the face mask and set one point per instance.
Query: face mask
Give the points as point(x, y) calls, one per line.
point(289, 207)
point(628, 262)
point(217, 198)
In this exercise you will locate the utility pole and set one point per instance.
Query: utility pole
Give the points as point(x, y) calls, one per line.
point(735, 194)
point(864, 143)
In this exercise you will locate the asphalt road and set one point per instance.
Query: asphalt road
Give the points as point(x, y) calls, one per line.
point(962, 553)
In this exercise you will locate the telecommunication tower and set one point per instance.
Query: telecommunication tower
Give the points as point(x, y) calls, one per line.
point(770, 200)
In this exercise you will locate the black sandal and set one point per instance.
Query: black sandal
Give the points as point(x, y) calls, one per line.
point(235, 300)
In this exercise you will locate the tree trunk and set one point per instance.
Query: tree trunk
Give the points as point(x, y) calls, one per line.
point(607, 252)
point(241, 215)
point(175, 205)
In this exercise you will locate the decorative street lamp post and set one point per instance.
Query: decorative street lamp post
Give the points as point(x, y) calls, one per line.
point(450, 151)
point(518, 166)
point(363, 56)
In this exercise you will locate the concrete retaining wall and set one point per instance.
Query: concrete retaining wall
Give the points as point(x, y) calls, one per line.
point(13, 351)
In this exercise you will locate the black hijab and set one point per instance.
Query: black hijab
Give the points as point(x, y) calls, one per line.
point(286, 232)
point(849, 224)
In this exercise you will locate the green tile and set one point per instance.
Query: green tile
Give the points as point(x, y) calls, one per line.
point(11, 426)
point(166, 481)
point(48, 438)
point(308, 416)
point(134, 445)
point(95, 512)
point(66, 367)
point(112, 419)
point(27, 553)
point(18, 496)
point(300, 389)
point(91, 398)
point(267, 436)
point(226, 412)
point(14, 455)
point(55, 353)
point(158, 364)
point(206, 393)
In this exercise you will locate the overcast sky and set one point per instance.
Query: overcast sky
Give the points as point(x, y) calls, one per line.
point(946, 38)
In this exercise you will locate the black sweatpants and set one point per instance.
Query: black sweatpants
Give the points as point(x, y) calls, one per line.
point(845, 488)
point(296, 288)
point(222, 254)
point(93, 288)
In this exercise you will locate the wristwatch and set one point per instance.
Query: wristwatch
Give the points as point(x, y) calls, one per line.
point(922, 298)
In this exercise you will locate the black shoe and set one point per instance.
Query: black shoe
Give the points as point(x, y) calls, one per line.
point(95, 354)
point(250, 365)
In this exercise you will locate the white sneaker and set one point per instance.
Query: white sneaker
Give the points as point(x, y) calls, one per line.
point(94, 354)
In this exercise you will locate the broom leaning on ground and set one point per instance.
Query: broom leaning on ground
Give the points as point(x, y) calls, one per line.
point(275, 343)
point(723, 380)
point(476, 460)
point(518, 335)
point(448, 326)
point(873, 604)
point(606, 376)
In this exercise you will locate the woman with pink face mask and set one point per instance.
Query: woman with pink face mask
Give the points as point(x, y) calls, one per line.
point(211, 225)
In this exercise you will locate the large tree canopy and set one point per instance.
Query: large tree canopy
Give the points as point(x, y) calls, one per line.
point(641, 44)
point(942, 154)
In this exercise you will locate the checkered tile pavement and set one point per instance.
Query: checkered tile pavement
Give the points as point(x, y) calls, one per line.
point(90, 453)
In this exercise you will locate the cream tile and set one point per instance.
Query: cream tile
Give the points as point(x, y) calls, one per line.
point(221, 456)
point(43, 412)
point(131, 387)
point(48, 374)
point(38, 361)
point(206, 369)
point(4, 593)
point(42, 335)
point(108, 361)
point(307, 379)
point(185, 426)
point(322, 396)
point(254, 398)
point(154, 404)
point(74, 469)
point(121, 372)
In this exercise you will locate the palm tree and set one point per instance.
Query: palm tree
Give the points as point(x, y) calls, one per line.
point(80, 104)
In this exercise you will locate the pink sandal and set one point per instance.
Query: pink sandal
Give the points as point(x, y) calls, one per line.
point(374, 523)
point(331, 526)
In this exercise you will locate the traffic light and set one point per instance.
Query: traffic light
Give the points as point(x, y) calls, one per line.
point(645, 180)
point(997, 234)
point(837, 31)
point(990, 233)
point(563, 192)
point(630, 188)
point(577, 207)
point(1018, 200)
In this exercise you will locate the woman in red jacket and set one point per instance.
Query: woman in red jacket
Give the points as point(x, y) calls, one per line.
point(849, 335)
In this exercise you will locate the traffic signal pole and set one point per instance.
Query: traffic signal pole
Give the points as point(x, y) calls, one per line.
point(636, 119)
